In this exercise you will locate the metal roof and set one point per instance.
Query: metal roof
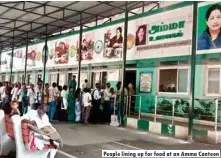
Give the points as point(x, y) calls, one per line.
point(19, 17)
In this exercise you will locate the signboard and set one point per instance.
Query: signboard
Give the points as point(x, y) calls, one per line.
point(145, 82)
point(6, 61)
point(19, 59)
point(35, 56)
point(161, 35)
point(209, 27)
point(63, 51)
point(113, 75)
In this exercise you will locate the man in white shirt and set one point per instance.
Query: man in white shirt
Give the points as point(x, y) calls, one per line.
point(14, 92)
point(31, 96)
point(38, 119)
point(87, 104)
point(96, 102)
point(53, 96)
point(85, 85)
point(2, 90)
point(107, 104)
point(38, 95)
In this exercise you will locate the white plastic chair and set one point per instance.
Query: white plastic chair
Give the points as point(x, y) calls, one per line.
point(21, 149)
point(6, 143)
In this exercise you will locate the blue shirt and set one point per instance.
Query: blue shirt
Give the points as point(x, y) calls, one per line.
point(205, 42)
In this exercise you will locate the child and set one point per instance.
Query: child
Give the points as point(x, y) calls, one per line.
point(14, 108)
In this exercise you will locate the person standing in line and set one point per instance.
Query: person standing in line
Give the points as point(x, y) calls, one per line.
point(87, 104)
point(64, 98)
point(46, 94)
point(38, 95)
point(107, 105)
point(96, 102)
point(72, 83)
point(64, 104)
point(77, 97)
point(53, 95)
point(14, 92)
point(82, 105)
point(58, 103)
point(71, 106)
point(31, 96)
point(85, 85)
point(24, 96)
point(20, 98)
point(7, 96)
point(2, 90)
point(1, 85)
point(119, 98)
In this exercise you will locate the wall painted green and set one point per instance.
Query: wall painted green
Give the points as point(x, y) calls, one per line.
point(199, 79)
point(148, 99)
point(143, 125)
point(168, 130)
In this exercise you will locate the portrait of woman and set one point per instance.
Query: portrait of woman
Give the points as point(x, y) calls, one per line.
point(211, 37)
point(141, 35)
point(117, 40)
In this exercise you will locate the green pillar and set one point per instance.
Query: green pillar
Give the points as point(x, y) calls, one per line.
point(193, 69)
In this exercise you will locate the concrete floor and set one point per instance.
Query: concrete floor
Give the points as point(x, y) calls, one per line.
point(81, 141)
point(88, 141)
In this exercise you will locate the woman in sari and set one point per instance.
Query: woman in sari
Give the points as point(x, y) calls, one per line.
point(77, 96)
point(71, 106)
point(24, 96)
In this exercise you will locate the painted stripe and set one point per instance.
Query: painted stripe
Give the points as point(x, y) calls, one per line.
point(66, 154)
point(126, 145)
point(155, 127)
point(132, 123)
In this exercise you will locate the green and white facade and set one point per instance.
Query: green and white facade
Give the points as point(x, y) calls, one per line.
point(162, 66)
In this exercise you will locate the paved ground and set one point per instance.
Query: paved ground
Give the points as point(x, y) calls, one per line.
point(81, 141)
point(88, 141)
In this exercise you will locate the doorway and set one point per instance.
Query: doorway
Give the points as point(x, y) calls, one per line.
point(131, 79)
point(99, 77)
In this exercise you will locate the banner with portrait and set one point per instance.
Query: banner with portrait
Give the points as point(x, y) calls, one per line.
point(161, 35)
point(209, 27)
point(113, 42)
point(62, 51)
point(36, 56)
point(87, 50)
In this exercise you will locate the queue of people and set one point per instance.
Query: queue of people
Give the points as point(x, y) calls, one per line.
point(67, 103)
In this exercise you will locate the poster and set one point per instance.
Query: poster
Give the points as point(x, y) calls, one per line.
point(209, 27)
point(113, 75)
point(141, 34)
point(19, 59)
point(87, 50)
point(62, 51)
point(145, 82)
point(35, 56)
point(6, 61)
point(113, 42)
point(161, 35)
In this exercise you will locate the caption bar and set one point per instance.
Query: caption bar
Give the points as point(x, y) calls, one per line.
point(160, 153)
